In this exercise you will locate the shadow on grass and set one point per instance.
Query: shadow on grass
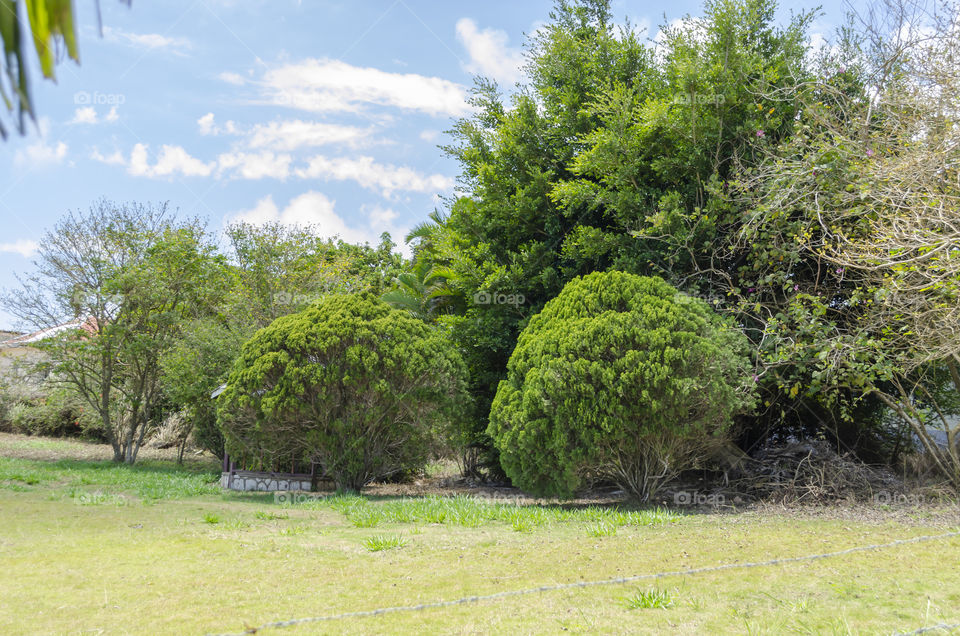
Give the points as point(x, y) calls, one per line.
point(516, 500)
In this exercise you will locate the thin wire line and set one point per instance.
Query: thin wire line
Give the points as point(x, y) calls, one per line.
point(584, 584)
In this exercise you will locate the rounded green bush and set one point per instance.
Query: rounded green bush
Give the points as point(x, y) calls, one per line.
point(621, 378)
point(350, 383)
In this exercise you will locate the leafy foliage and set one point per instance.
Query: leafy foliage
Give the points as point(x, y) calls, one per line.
point(193, 368)
point(50, 25)
point(619, 377)
point(360, 388)
point(280, 269)
point(130, 277)
point(59, 413)
point(862, 202)
point(616, 155)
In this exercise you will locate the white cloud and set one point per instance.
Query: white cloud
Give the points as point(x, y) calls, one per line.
point(116, 158)
point(333, 86)
point(85, 115)
point(269, 164)
point(232, 78)
point(40, 153)
point(24, 247)
point(289, 134)
point(311, 209)
point(489, 54)
point(374, 176)
point(175, 160)
point(171, 160)
point(207, 127)
point(89, 115)
point(292, 134)
point(150, 41)
point(254, 165)
point(429, 136)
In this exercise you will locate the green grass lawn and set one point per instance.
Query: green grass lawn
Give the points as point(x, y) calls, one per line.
point(89, 547)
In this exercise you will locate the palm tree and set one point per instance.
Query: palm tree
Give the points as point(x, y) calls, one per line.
point(426, 291)
point(426, 233)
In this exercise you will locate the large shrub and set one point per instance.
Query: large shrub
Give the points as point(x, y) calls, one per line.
point(359, 387)
point(620, 377)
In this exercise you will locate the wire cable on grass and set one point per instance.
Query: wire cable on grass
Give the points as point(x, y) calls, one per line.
point(583, 584)
point(931, 628)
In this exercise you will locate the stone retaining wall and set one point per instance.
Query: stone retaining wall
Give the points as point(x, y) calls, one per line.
point(246, 480)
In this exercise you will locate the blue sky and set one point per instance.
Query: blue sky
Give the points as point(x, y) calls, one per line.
point(312, 111)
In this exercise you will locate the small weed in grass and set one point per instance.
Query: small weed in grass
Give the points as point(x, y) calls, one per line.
point(291, 531)
point(365, 516)
point(603, 529)
point(344, 503)
point(380, 542)
point(269, 516)
point(520, 525)
point(649, 599)
point(211, 518)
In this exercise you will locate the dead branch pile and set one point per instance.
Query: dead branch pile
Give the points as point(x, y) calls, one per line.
point(811, 471)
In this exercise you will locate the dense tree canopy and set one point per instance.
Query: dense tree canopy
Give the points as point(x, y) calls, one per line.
point(616, 155)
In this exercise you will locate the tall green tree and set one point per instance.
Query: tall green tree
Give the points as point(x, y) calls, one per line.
point(129, 277)
point(193, 368)
point(615, 155)
point(281, 269)
point(863, 203)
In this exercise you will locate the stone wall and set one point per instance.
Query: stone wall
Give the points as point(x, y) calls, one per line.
point(249, 481)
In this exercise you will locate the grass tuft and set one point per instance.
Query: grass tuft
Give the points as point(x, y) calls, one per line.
point(603, 529)
point(379, 542)
point(292, 531)
point(649, 599)
point(270, 516)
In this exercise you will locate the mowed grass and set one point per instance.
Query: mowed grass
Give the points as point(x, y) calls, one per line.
point(87, 547)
